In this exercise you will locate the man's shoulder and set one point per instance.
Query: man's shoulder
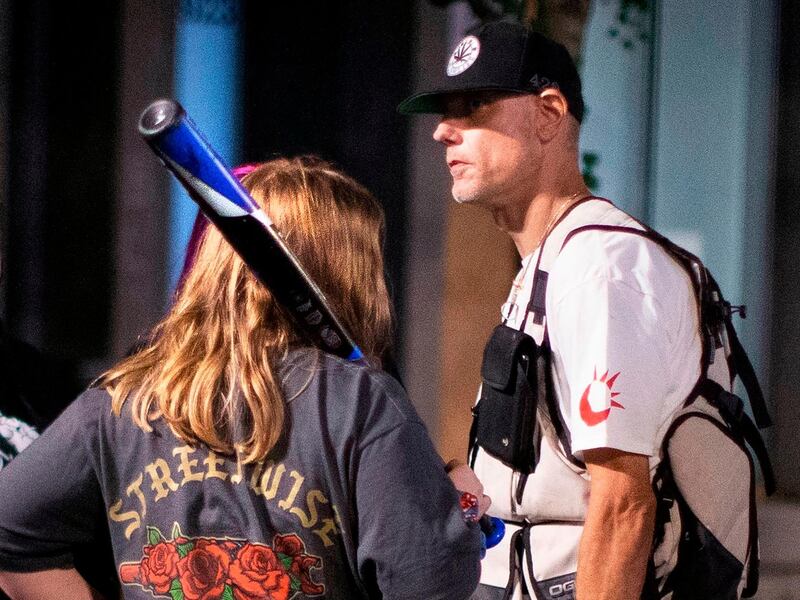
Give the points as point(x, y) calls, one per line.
point(596, 211)
point(617, 248)
point(595, 236)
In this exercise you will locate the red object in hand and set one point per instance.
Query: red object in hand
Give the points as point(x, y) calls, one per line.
point(469, 507)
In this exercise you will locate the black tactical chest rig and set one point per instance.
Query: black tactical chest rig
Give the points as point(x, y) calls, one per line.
point(518, 406)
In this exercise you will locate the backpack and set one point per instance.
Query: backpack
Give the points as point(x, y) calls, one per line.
point(705, 543)
point(705, 485)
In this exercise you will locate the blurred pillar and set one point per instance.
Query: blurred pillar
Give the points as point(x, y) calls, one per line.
point(712, 150)
point(61, 101)
point(421, 329)
point(785, 387)
point(616, 75)
point(207, 84)
point(24, 270)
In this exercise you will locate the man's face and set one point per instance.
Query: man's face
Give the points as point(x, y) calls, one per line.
point(491, 146)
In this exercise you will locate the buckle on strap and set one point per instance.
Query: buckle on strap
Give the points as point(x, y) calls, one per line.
point(731, 405)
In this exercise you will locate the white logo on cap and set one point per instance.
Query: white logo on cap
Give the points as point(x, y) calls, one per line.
point(464, 55)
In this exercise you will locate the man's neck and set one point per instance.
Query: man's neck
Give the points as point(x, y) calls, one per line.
point(527, 223)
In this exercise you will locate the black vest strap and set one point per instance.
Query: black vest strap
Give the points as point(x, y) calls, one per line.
point(538, 306)
point(515, 561)
point(529, 564)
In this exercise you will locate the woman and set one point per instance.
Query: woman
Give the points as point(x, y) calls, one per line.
point(228, 459)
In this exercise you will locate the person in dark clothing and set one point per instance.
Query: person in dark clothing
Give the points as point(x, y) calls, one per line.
point(34, 389)
point(229, 459)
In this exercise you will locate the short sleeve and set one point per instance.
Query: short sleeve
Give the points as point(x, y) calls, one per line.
point(611, 350)
point(623, 325)
point(52, 506)
point(412, 539)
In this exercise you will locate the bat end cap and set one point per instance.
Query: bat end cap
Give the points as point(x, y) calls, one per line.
point(160, 116)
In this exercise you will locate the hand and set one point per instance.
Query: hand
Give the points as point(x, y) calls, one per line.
point(465, 480)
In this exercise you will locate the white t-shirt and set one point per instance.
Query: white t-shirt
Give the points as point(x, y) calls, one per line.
point(623, 327)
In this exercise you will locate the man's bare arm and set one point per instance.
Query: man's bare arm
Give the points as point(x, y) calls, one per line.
point(618, 533)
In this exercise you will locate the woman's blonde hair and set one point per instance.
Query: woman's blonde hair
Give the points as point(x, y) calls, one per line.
point(209, 369)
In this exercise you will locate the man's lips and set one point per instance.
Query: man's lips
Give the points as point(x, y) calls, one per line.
point(457, 166)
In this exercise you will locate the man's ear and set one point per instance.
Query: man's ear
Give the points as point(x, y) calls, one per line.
point(551, 113)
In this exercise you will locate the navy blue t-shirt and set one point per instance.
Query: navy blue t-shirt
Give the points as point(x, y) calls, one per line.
point(353, 503)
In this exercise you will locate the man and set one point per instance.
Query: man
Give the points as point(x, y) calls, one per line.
point(621, 321)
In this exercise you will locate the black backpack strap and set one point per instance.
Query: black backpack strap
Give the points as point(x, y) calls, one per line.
point(738, 362)
point(556, 418)
point(754, 564)
point(536, 305)
point(715, 314)
point(666, 494)
point(742, 367)
point(472, 446)
point(650, 587)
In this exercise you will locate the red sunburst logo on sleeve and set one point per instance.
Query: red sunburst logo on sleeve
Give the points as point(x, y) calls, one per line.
point(598, 394)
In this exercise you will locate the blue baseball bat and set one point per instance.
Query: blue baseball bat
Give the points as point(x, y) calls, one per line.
point(172, 135)
point(183, 150)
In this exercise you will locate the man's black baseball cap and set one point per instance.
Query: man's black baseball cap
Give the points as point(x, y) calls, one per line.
point(502, 56)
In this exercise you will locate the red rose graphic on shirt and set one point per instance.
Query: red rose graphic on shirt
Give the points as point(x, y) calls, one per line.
point(292, 546)
point(227, 569)
point(598, 394)
point(301, 567)
point(202, 572)
point(256, 573)
point(159, 566)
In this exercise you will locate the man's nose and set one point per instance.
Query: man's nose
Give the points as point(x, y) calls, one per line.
point(446, 133)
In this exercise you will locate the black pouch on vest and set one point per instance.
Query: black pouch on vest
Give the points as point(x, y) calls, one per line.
point(505, 423)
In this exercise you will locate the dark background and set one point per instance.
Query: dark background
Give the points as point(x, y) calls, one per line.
point(63, 81)
point(318, 77)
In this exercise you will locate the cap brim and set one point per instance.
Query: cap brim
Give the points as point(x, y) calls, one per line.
point(434, 102)
point(426, 102)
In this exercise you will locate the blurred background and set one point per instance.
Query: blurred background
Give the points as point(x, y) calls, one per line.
point(693, 125)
